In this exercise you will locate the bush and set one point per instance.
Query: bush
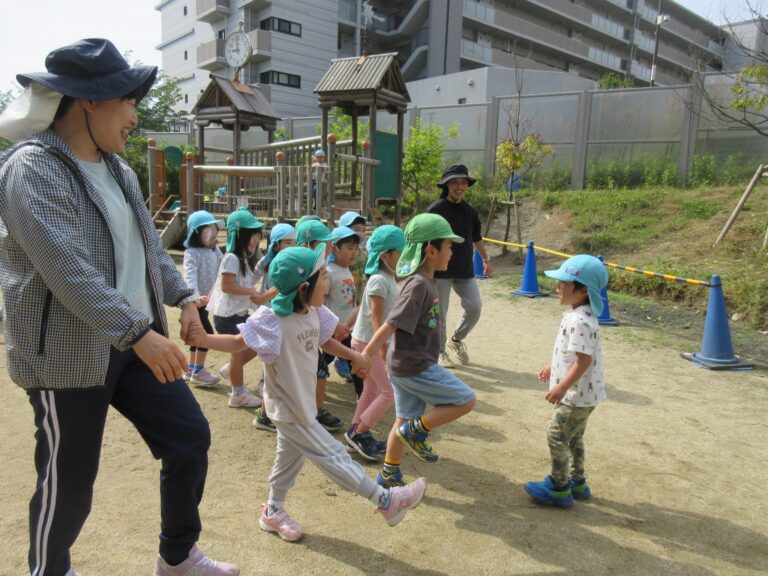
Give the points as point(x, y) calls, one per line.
point(704, 170)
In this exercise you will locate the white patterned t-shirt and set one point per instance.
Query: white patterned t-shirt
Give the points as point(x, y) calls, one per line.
point(579, 333)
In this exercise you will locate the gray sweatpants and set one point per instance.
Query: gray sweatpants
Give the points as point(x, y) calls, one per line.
point(295, 442)
point(472, 305)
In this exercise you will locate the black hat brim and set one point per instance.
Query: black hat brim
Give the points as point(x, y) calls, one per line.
point(444, 181)
point(136, 80)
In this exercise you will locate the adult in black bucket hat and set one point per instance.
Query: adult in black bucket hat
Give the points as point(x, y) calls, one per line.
point(460, 275)
point(85, 281)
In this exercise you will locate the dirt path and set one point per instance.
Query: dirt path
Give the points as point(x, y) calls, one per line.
point(677, 460)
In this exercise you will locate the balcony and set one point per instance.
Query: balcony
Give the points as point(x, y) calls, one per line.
point(212, 10)
point(210, 55)
point(261, 40)
point(475, 51)
point(581, 20)
point(254, 4)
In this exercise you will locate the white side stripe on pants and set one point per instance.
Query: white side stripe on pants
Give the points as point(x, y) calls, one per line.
point(45, 517)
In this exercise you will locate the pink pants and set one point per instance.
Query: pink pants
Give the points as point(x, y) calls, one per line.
point(377, 394)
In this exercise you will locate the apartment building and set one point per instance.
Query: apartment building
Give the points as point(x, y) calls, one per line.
point(295, 40)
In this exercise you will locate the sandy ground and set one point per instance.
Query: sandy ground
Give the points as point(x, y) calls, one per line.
point(677, 460)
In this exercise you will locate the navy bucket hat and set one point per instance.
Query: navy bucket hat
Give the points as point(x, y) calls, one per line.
point(92, 69)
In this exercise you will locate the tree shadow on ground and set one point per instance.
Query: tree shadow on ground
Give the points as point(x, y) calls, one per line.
point(571, 539)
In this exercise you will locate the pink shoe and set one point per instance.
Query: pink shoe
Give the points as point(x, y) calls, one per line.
point(246, 400)
point(281, 523)
point(196, 564)
point(402, 499)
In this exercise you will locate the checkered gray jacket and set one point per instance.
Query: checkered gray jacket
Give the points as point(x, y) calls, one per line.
point(57, 268)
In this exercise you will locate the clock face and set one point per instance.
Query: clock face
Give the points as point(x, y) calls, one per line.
point(237, 49)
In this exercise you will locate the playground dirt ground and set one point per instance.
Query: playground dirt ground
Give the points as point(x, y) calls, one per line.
point(677, 460)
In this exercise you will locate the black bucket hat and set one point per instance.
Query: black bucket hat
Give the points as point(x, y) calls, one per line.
point(455, 171)
point(92, 69)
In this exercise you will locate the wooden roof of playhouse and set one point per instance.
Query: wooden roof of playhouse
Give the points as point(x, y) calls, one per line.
point(225, 101)
point(357, 83)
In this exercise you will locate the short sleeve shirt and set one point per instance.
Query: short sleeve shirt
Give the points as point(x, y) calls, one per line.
point(341, 294)
point(579, 333)
point(416, 318)
point(464, 222)
point(223, 304)
point(381, 285)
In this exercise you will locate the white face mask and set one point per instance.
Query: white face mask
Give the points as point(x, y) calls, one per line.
point(208, 236)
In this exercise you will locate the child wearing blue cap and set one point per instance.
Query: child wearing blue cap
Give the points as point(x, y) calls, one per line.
point(202, 258)
point(575, 378)
point(287, 337)
point(418, 380)
point(386, 244)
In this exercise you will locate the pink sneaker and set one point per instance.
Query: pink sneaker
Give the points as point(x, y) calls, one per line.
point(402, 499)
point(281, 523)
point(246, 400)
point(197, 564)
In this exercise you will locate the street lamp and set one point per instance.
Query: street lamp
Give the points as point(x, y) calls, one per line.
point(660, 19)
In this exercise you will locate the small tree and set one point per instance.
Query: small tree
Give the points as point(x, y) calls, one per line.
point(613, 80)
point(521, 151)
point(157, 110)
point(423, 161)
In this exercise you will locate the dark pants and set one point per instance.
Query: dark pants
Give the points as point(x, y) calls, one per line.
point(207, 326)
point(357, 382)
point(70, 427)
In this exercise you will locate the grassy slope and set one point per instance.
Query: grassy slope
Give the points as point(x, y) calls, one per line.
point(671, 230)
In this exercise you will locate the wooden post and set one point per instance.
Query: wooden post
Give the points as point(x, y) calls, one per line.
point(308, 173)
point(740, 205)
point(231, 187)
point(399, 169)
point(330, 183)
point(198, 191)
point(188, 190)
point(280, 158)
point(365, 201)
point(324, 128)
point(353, 181)
point(372, 153)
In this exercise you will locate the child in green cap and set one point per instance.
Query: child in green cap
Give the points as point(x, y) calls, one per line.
point(412, 361)
point(287, 337)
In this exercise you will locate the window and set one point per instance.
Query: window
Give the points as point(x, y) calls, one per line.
point(185, 10)
point(462, 100)
point(280, 25)
point(281, 78)
point(186, 55)
point(186, 98)
point(221, 34)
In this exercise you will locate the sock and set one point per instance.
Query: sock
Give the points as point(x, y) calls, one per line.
point(238, 390)
point(381, 497)
point(272, 509)
point(418, 425)
point(196, 368)
point(391, 463)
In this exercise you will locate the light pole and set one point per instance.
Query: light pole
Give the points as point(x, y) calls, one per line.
point(660, 19)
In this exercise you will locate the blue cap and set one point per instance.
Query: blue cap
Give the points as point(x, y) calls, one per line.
point(319, 152)
point(198, 220)
point(586, 270)
point(279, 232)
point(350, 218)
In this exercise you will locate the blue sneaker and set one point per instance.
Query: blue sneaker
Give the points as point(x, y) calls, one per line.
point(389, 479)
point(343, 369)
point(545, 493)
point(418, 442)
point(579, 490)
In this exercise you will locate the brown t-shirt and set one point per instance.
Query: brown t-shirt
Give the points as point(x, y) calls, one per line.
point(416, 318)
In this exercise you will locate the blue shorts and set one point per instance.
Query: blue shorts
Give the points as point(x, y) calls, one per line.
point(434, 386)
point(228, 324)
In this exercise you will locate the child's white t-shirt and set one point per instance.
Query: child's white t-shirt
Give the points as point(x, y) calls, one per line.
point(579, 333)
point(384, 286)
point(288, 347)
point(341, 294)
point(223, 304)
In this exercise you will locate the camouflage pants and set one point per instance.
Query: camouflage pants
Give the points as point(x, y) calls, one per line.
point(566, 442)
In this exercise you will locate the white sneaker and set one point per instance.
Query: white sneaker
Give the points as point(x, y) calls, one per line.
point(445, 361)
point(460, 349)
point(196, 564)
point(246, 400)
point(204, 378)
point(186, 375)
point(224, 371)
point(71, 572)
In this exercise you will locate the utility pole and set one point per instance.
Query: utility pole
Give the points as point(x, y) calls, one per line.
point(660, 19)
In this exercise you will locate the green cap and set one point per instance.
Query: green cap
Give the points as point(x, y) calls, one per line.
point(421, 229)
point(385, 237)
point(312, 231)
point(291, 268)
point(306, 218)
point(240, 218)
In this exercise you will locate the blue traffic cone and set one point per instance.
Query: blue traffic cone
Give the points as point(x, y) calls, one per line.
point(605, 319)
point(716, 349)
point(477, 262)
point(530, 286)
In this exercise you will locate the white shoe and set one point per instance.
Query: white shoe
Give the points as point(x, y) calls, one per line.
point(224, 371)
point(196, 564)
point(186, 375)
point(460, 349)
point(246, 400)
point(204, 378)
point(71, 572)
point(445, 361)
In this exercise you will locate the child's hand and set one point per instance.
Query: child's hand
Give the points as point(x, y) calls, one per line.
point(195, 335)
point(341, 332)
point(360, 365)
point(544, 373)
point(556, 394)
point(202, 302)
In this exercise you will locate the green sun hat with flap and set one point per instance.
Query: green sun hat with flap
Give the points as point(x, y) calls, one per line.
point(312, 231)
point(384, 238)
point(237, 220)
point(291, 268)
point(422, 229)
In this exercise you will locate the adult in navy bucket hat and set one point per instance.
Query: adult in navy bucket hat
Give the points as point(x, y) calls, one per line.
point(85, 282)
point(460, 275)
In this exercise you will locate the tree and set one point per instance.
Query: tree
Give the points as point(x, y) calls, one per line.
point(613, 80)
point(156, 110)
point(740, 96)
point(520, 151)
point(423, 161)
